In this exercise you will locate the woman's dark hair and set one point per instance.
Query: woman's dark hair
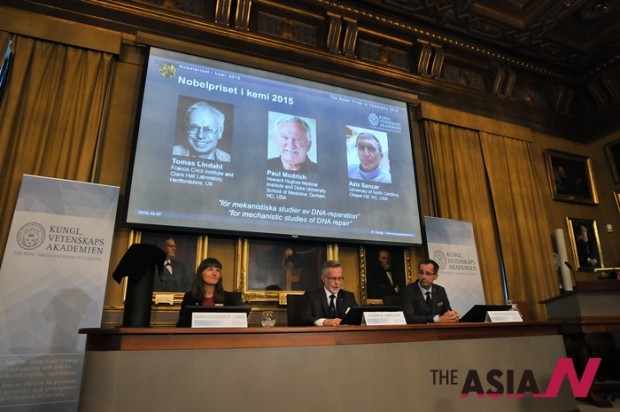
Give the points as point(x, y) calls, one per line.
point(198, 289)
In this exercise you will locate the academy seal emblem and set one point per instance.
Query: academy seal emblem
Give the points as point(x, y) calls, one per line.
point(31, 236)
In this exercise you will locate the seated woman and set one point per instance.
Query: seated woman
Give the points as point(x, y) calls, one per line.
point(207, 290)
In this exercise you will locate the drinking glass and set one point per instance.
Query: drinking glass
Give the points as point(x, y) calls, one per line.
point(268, 319)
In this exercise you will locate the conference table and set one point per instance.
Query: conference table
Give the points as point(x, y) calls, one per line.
point(452, 367)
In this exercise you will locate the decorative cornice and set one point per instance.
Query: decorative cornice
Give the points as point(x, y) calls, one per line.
point(356, 44)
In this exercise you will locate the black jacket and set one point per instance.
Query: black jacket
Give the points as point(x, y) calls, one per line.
point(316, 306)
point(414, 303)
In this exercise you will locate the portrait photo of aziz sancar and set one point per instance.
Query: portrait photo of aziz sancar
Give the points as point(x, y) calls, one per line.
point(367, 155)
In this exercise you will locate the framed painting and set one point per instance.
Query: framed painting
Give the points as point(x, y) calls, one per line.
point(271, 269)
point(617, 197)
point(570, 177)
point(612, 151)
point(585, 243)
point(384, 272)
point(183, 254)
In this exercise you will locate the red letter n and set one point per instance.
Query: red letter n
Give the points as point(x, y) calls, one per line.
point(565, 367)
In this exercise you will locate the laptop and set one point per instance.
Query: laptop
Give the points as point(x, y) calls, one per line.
point(478, 313)
point(185, 318)
point(355, 314)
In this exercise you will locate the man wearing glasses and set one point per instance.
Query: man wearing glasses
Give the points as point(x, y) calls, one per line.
point(205, 126)
point(327, 304)
point(425, 302)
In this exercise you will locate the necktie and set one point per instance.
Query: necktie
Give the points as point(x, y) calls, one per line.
point(332, 306)
point(168, 266)
point(429, 305)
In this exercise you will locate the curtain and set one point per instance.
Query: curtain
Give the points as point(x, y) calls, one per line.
point(459, 181)
point(522, 221)
point(50, 116)
point(490, 180)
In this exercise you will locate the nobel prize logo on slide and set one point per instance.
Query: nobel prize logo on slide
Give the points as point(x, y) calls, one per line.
point(31, 236)
point(384, 122)
point(168, 70)
point(373, 119)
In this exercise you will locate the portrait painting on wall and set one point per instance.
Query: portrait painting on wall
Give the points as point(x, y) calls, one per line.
point(183, 253)
point(585, 243)
point(274, 267)
point(570, 177)
point(612, 150)
point(385, 271)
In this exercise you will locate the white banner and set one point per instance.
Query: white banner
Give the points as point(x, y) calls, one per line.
point(52, 283)
point(452, 245)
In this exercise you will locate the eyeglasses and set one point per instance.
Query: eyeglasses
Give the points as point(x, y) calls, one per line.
point(206, 130)
point(424, 272)
point(334, 278)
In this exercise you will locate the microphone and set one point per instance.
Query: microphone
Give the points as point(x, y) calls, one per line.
point(572, 271)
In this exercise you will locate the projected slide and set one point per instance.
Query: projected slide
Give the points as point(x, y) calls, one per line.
point(228, 148)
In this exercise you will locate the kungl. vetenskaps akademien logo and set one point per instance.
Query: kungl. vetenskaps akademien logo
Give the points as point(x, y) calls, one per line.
point(31, 235)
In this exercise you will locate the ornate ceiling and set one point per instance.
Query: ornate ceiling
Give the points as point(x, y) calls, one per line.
point(551, 65)
point(576, 36)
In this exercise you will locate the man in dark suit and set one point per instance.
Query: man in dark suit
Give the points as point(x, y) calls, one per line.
point(327, 304)
point(173, 277)
point(425, 302)
point(383, 277)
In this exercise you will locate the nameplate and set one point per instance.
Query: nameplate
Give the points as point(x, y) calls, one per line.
point(494, 316)
point(219, 320)
point(384, 318)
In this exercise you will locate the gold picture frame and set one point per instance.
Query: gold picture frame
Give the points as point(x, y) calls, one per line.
point(612, 151)
point(268, 270)
point(374, 283)
point(570, 177)
point(617, 197)
point(585, 243)
point(191, 250)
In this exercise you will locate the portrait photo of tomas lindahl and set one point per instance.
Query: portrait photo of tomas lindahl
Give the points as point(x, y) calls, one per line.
point(203, 130)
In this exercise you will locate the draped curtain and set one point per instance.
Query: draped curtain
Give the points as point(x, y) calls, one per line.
point(50, 116)
point(522, 220)
point(490, 181)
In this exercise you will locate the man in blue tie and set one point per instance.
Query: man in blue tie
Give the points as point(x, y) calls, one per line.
point(425, 302)
point(327, 304)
